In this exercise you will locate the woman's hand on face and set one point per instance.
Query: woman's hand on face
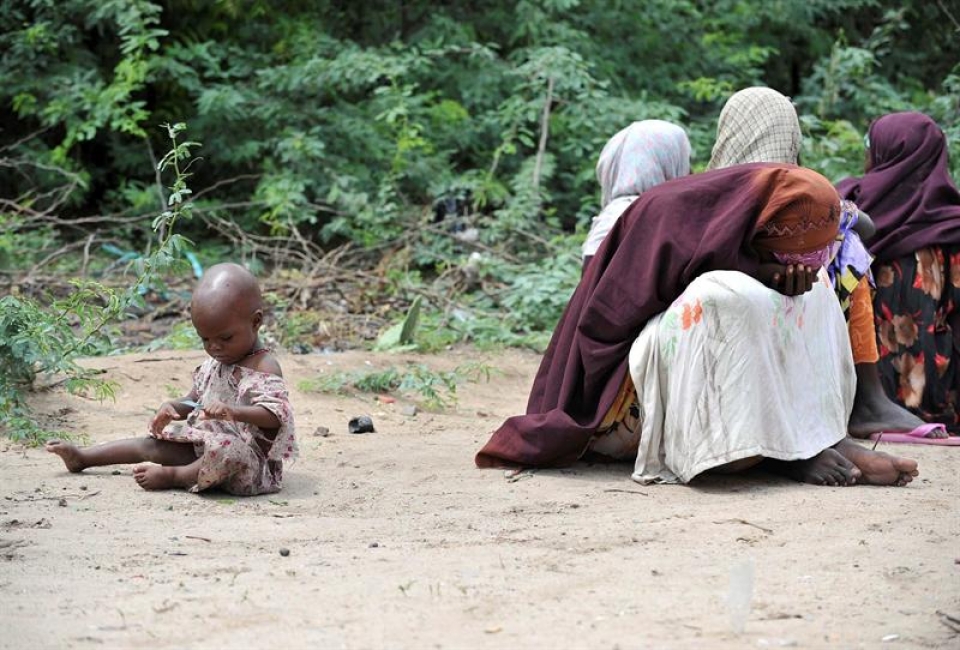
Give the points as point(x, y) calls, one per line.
point(790, 280)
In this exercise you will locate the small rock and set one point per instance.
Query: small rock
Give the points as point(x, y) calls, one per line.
point(62, 503)
point(890, 637)
point(116, 472)
point(410, 410)
point(361, 424)
point(83, 487)
point(386, 399)
point(374, 545)
point(285, 552)
point(321, 431)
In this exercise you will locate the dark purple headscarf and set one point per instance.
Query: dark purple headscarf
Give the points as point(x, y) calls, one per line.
point(908, 191)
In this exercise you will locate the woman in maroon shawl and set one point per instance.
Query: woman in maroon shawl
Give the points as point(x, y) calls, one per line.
point(908, 192)
point(734, 219)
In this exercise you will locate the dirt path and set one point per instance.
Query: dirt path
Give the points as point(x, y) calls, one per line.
point(395, 540)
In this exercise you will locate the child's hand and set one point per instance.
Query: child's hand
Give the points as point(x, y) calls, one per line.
point(217, 410)
point(164, 416)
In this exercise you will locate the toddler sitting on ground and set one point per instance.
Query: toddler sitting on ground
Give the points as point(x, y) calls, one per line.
point(235, 428)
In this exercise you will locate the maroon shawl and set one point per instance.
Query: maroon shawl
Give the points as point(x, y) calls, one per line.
point(668, 237)
point(908, 191)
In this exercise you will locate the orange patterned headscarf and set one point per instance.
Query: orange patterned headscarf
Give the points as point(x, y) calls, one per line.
point(802, 211)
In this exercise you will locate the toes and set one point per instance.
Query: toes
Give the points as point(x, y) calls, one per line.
point(819, 479)
point(840, 475)
point(905, 466)
point(842, 470)
point(850, 474)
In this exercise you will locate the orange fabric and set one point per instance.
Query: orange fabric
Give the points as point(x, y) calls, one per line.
point(621, 406)
point(863, 336)
point(801, 214)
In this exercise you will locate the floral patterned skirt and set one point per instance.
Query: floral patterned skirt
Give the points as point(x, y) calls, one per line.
point(230, 461)
point(917, 311)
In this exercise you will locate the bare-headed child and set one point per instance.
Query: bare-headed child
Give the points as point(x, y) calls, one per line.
point(234, 429)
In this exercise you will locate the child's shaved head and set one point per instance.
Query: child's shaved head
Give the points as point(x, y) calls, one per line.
point(227, 287)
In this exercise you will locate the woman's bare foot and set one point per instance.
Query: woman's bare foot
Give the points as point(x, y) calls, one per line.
point(162, 477)
point(878, 468)
point(71, 455)
point(829, 467)
point(874, 411)
point(867, 419)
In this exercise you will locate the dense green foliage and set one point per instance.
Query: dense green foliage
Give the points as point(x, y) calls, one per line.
point(329, 122)
point(38, 338)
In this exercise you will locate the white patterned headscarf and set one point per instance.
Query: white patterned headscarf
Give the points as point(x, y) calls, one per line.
point(756, 125)
point(639, 157)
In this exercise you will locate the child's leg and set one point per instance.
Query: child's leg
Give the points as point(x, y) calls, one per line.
point(123, 452)
point(159, 477)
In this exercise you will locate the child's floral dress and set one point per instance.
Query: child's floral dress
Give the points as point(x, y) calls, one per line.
point(233, 453)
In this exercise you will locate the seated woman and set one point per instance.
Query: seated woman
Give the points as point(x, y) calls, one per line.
point(637, 158)
point(795, 405)
point(760, 125)
point(908, 191)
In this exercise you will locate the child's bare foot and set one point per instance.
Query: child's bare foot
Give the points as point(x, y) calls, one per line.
point(878, 467)
point(829, 467)
point(163, 477)
point(154, 477)
point(71, 455)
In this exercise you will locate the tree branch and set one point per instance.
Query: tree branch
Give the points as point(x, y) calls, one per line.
point(544, 133)
point(949, 15)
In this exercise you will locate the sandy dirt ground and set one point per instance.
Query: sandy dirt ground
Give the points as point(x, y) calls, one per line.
point(395, 540)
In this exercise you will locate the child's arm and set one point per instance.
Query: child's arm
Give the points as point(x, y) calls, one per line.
point(255, 415)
